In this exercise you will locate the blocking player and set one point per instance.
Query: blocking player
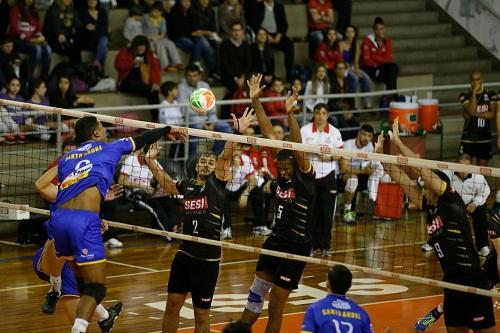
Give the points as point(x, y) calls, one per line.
point(294, 193)
point(85, 174)
point(195, 267)
point(450, 236)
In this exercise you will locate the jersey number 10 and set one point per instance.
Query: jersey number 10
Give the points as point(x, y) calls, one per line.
point(481, 122)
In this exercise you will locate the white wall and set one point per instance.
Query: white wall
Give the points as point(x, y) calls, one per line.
point(477, 20)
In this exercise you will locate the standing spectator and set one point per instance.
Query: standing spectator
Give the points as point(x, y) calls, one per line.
point(60, 27)
point(377, 56)
point(206, 121)
point(171, 114)
point(271, 15)
point(230, 11)
point(26, 28)
point(318, 85)
point(64, 96)
point(276, 109)
point(359, 174)
point(262, 56)
point(474, 190)
point(4, 17)
point(93, 35)
point(328, 52)
point(12, 66)
point(320, 19)
point(351, 53)
point(133, 25)
point(321, 133)
point(344, 10)
point(139, 71)
point(155, 28)
point(235, 58)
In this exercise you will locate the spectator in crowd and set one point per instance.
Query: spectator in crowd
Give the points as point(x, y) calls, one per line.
point(40, 121)
point(4, 17)
point(351, 53)
point(278, 132)
point(359, 174)
point(181, 26)
point(137, 179)
point(26, 28)
point(271, 15)
point(133, 25)
point(328, 53)
point(12, 66)
point(9, 129)
point(262, 56)
point(12, 94)
point(93, 35)
point(155, 28)
point(377, 56)
point(474, 190)
point(236, 109)
point(60, 27)
point(230, 11)
point(344, 10)
point(139, 71)
point(64, 96)
point(318, 85)
point(208, 121)
point(321, 133)
point(276, 109)
point(262, 157)
point(298, 85)
point(106, 5)
point(235, 58)
point(342, 84)
point(245, 184)
point(320, 19)
point(206, 28)
point(171, 114)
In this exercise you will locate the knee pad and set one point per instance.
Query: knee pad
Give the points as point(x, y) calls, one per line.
point(257, 294)
point(95, 290)
point(351, 185)
point(80, 285)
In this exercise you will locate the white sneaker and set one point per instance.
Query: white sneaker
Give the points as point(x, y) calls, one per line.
point(226, 234)
point(262, 231)
point(427, 248)
point(113, 243)
point(484, 251)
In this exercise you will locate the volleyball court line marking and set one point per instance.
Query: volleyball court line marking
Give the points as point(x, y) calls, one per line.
point(132, 266)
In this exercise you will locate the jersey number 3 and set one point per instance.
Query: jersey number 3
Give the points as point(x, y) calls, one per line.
point(342, 326)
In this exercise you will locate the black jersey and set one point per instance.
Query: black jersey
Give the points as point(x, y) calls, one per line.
point(494, 226)
point(450, 236)
point(203, 210)
point(478, 129)
point(294, 207)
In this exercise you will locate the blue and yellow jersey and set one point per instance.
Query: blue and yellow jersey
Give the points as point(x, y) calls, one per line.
point(336, 313)
point(91, 164)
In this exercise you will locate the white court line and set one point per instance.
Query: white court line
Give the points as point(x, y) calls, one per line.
point(155, 318)
point(133, 313)
point(15, 244)
point(111, 300)
point(132, 266)
point(137, 297)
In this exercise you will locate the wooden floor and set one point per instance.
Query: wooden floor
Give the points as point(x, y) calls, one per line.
point(137, 275)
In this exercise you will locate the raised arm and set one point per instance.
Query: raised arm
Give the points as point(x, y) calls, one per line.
point(162, 177)
point(44, 186)
point(255, 91)
point(302, 161)
point(151, 136)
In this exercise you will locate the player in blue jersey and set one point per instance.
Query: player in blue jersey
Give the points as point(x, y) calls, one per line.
point(85, 174)
point(337, 312)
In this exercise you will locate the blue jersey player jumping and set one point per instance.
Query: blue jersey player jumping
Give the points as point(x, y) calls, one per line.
point(85, 175)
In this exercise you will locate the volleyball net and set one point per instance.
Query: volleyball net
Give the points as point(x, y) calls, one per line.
point(384, 235)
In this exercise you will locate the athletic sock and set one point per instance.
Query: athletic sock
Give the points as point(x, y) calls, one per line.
point(55, 283)
point(439, 309)
point(79, 326)
point(102, 313)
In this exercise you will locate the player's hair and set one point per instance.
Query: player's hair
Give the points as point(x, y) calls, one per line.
point(476, 71)
point(284, 155)
point(237, 327)
point(84, 128)
point(192, 68)
point(442, 176)
point(464, 156)
point(378, 20)
point(236, 22)
point(320, 106)
point(367, 128)
point(167, 87)
point(340, 278)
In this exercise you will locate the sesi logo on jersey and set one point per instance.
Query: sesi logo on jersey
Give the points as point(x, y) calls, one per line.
point(196, 203)
point(288, 194)
point(436, 225)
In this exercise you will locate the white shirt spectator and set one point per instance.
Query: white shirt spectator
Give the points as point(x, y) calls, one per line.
point(171, 115)
point(241, 173)
point(310, 103)
point(474, 188)
point(355, 162)
point(139, 174)
point(132, 28)
point(330, 137)
point(185, 92)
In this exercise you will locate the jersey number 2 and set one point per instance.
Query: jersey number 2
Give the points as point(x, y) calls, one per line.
point(195, 227)
point(346, 326)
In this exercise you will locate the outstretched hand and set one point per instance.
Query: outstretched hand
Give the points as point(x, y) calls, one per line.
point(292, 99)
point(153, 151)
point(255, 90)
point(379, 145)
point(245, 121)
point(177, 134)
point(394, 134)
point(114, 192)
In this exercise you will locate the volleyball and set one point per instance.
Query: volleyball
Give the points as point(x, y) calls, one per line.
point(202, 100)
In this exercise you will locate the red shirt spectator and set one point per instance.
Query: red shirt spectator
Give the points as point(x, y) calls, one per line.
point(328, 53)
point(262, 161)
point(239, 109)
point(374, 54)
point(320, 9)
point(22, 28)
point(275, 108)
point(125, 63)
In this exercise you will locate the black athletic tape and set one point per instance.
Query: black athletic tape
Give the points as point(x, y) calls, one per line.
point(95, 290)
point(80, 285)
point(150, 136)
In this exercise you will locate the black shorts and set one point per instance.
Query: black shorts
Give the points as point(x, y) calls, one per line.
point(468, 310)
point(196, 276)
point(482, 151)
point(286, 272)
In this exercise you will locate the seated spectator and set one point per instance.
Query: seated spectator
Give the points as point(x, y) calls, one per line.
point(9, 129)
point(298, 85)
point(261, 157)
point(271, 15)
point(377, 56)
point(341, 84)
point(12, 66)
point(26, 29)
point(230, 11)
point(208, 121)
point(351, 53)
point(60, 28)
point(245, 184)
point(106, 5)
point(155, 29)
point(93, 35)
point(171, 114)
point(137, 179)
point(276, 109)
point(12, 94)
point(347, 123)
point(360, 174)
point(139, 71)
point(182, 22)
point(279, 132)
point(64, 96)
point(236, 109)
point(133, 26)
point(328, 53)
point(320, 19)
point(262, 56)
point(235, 59)
point(40, 121)
point(474, 190)
point(318, 85)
